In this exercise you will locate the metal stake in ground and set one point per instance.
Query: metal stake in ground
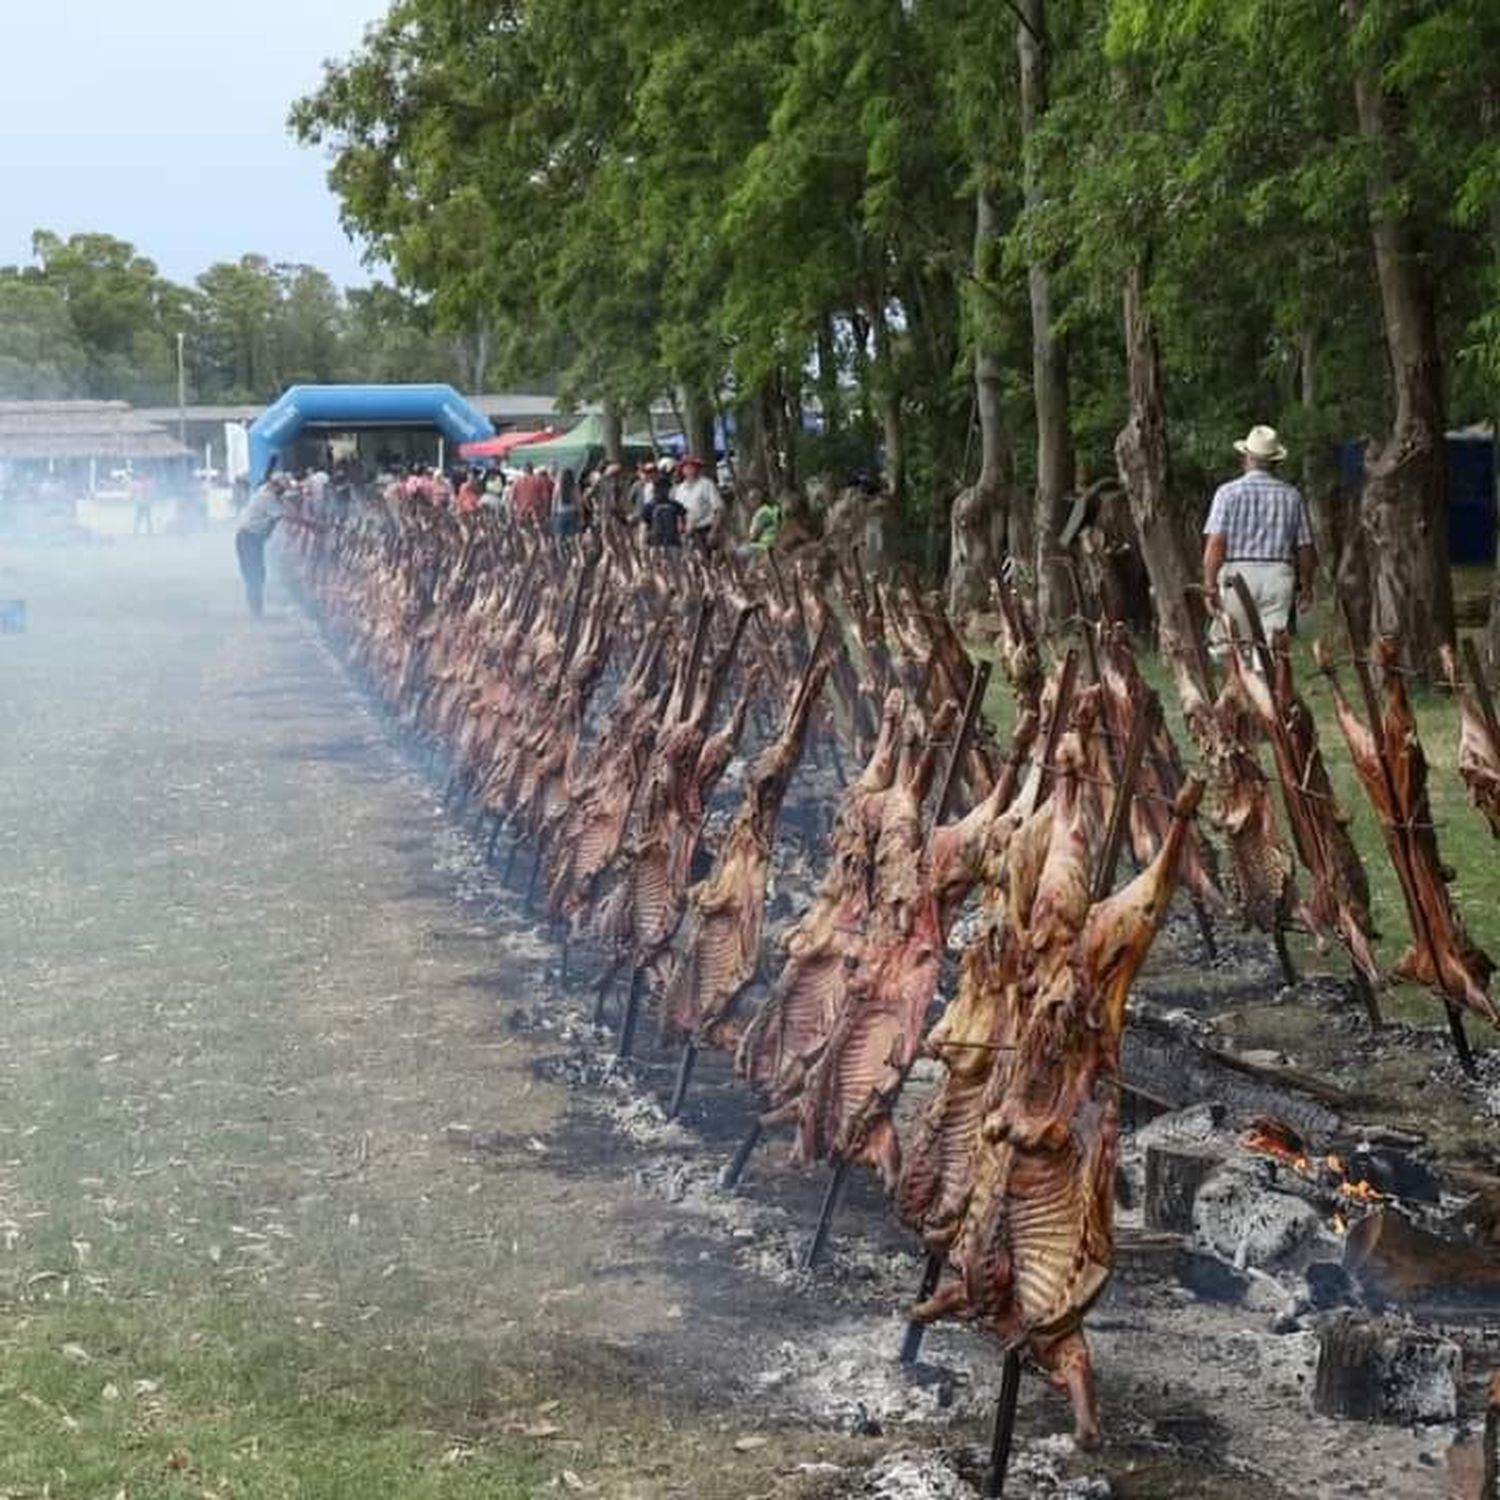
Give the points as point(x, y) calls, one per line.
point(684, 1077)
point(911, 1342)
point(730, 1178)
point(819, 1241)
point(1141, 724)
point(1005, 1426)
point(632, 1012)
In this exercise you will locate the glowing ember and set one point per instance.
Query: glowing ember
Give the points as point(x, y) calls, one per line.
point(1271, 1138)
point(1361, 1192)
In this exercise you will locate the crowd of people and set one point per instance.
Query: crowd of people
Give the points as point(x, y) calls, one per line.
point(675, 502)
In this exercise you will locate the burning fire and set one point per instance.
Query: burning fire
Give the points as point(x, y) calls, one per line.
point(1272, 1138)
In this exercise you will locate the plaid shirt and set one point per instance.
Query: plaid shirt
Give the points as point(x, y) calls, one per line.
point(1261, 518)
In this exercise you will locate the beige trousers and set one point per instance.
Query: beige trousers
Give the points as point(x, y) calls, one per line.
point(1273, 587)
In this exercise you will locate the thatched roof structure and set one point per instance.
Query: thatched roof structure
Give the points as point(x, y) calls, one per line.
point(41, 430)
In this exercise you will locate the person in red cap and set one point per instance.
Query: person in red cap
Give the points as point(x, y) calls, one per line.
point(702, 505)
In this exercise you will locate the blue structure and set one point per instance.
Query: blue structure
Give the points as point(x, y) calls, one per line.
point(346, 406)
point(1472, 510)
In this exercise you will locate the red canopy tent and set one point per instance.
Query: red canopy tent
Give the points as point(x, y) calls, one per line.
point(498, 447)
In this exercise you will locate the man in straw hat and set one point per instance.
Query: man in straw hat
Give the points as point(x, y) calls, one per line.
point(1258, 530)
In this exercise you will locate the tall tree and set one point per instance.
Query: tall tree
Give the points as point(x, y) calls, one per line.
point(1049, 360)
point(1404, 507)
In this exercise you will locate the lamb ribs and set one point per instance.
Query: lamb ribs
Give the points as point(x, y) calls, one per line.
point(1388, 758)
point(1478, 740)
point(719, 949)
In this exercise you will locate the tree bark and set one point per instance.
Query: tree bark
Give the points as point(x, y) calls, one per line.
point(1144, 460)
point(1492, 634)
point(1049, 358)
point(613, 423)
point(1490, 116)
point(1316, 490)
point(979, 514)
point(698, 419)
point(887, 393)
point(830, 398)
point(1404, 507)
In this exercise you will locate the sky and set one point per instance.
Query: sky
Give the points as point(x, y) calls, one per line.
point(164, 122)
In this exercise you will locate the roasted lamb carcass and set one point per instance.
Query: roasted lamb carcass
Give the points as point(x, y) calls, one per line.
point(1478, 747)
point(789, 1026)
point(1338, 889)
point(1161, 774)
point(1260, 863)
point(1016, 650)
point(1037, 1243)
point(976, 1035)
point(588, 834)
point(843, 1107)
point(1392, 769)
point(641, 912)
point(720, 947)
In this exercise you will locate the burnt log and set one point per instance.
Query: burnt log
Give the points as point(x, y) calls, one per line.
point(1167, 1066)
point(1375, 1371)
point(1173, 1176)
point(1396, 1262)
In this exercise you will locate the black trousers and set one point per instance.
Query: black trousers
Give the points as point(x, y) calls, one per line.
point(251, 550)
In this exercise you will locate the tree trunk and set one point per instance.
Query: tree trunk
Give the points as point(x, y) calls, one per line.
point(1317, 488)
point(887, 393)
point(750, 441)
point(979, 514)
point(613, 423)
point(1049, 359)
point(830, 398)
point(1490, 117)
point(698, 424)
point(479, 367)
point(1144, 460)
point(1404, 509)
point(1492, 634)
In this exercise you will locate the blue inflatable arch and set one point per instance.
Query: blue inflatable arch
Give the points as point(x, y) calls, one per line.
point(302, 406)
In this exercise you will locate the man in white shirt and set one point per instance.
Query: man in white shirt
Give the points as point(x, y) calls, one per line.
point(699, 498)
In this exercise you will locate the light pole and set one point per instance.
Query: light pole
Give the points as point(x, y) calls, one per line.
point(181, 391)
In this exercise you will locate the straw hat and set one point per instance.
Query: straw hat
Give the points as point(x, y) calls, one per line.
point(1262, 444)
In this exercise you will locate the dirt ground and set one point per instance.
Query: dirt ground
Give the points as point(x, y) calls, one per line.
point(310, 1184)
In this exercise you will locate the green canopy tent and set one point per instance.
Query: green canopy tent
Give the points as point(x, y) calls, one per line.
point(575, 449)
